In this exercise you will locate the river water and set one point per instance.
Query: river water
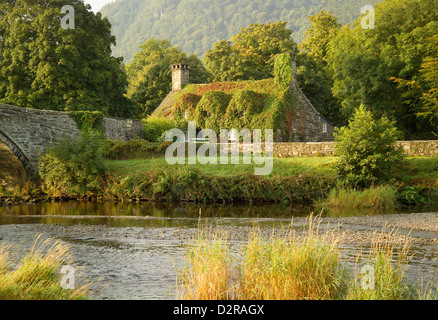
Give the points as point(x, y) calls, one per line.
point(133, 251)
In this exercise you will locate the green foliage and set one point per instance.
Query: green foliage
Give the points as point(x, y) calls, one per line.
point(150, 78)
point(88, 120)
point(155, 127)
point(44, 66)
point(314, 80)
point(251, 52)
point(380, 197)
point(195, 25)
point(210, 110)
point(243, 109)
point(185, 105)
point(367, 147)
point(133, 149)
point(74, 166)
point(185, 183)
point(380, 68)
point(318, 35)
point(410, 195)
point(245, 104)
point(283, 70)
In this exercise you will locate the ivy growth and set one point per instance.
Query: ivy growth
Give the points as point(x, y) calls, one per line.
point(283, 70)
point(88, 120)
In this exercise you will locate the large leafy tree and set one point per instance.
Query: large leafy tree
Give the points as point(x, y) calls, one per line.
point(251, 53)
point(150, 77)
point(45, 66)
point(318, 35)
point(314, 76)
point(380, 67)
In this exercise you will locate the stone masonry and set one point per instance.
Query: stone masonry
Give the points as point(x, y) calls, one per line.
point(27, 132)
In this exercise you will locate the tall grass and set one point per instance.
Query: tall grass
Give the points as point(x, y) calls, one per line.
point(37, 275)
point(379, 197)
point(390, 266)
point(293, 266)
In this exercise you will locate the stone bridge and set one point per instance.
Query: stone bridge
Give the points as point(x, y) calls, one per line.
point(25, 134)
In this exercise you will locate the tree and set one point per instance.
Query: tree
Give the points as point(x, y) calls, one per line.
point(149, 73)
point(380, 68)
point(314, 79)
point(429, 76)
point(317, 37)
point(367, 148)
point(44, 66)
point(251, 53)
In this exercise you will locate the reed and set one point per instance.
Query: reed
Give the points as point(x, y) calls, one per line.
point(37, 275)
point(299, 265)
point(379, 197)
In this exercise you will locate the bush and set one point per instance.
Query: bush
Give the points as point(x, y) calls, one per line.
point(155, 127)
point(133, 149)
point(410, 195)
point(74, 166)
point(367, 147)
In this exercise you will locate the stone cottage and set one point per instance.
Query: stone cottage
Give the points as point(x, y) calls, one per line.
point(304, 124)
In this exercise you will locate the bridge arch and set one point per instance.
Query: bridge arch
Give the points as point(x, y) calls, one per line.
point(15, 150)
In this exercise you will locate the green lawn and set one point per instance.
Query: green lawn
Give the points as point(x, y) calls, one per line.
point(281, 166)
point(416, 171)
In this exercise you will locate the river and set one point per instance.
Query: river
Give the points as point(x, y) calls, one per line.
point(133, 251)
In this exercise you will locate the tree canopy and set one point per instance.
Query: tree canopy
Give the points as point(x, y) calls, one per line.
point(250, 55)
point(149, 73)
point(44, 66)
point(381, 68)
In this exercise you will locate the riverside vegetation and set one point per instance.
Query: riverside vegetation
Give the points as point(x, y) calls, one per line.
point(368, 171)
point(36, 276)
point(294, 267)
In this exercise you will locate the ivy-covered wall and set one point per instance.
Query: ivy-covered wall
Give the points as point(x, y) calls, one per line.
point(265, 104)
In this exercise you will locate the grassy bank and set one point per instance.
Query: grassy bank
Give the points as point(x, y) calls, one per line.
point(134, 171)
point(37, 275)
point(293, 267)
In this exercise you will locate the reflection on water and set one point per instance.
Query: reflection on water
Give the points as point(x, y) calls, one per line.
point(169, 214)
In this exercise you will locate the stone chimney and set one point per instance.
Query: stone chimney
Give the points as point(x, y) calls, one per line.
point(180, 76)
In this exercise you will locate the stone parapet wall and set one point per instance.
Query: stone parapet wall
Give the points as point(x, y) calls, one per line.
point(420, 147)
point(28, 132)
point(308, 149)
point(122, 129)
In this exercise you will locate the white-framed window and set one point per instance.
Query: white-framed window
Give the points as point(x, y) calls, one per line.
point(324, 127)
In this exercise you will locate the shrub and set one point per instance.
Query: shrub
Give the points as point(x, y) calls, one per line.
point(410, 195)
point(367, 147)
point(133, 149)
point(74, 165)
point(155, 127)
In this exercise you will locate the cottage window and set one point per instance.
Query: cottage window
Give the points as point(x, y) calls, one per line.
point(324, 127)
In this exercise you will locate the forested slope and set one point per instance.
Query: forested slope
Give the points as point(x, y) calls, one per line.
point(195, 25)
